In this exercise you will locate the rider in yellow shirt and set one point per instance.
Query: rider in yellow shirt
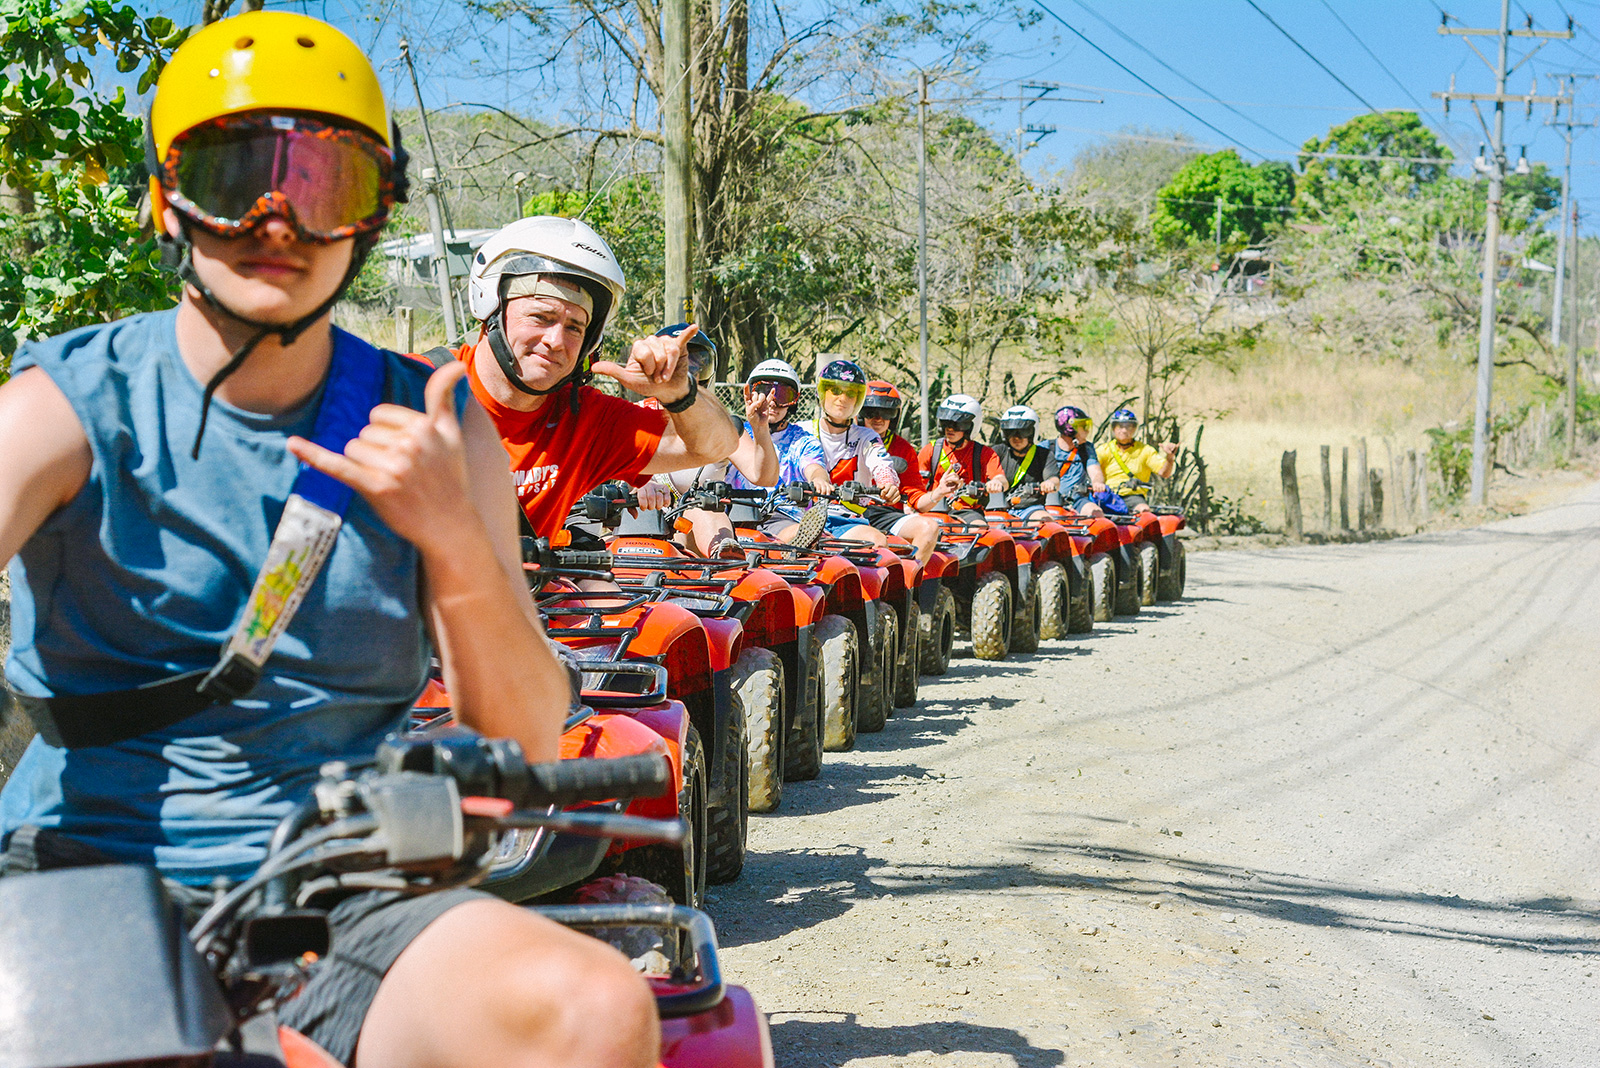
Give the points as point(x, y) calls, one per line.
point(1130, 464)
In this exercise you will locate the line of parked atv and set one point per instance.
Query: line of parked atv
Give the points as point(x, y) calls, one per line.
point(743, 673)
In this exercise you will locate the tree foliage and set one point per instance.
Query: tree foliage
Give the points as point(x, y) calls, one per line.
point(1328, 178)
point(72, 250)
point(1220, 198)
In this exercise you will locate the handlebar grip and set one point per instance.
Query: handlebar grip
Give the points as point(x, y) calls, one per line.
point(569, 558)
point(565, 782)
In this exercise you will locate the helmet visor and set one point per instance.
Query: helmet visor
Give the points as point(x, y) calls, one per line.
point(328, 181)
point(783, 394)
point(854, 392)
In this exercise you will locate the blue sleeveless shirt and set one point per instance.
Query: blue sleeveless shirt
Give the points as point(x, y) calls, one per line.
point(143, 575)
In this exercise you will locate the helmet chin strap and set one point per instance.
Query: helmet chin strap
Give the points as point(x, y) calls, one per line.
point(179, 248)
point(826, 418)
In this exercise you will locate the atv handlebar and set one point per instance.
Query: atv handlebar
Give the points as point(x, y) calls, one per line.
point(493, 767)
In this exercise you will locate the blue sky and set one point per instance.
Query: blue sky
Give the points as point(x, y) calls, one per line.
point(1225, 46)
point(1230, 50)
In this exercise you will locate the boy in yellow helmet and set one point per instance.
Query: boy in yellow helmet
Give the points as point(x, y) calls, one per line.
point(133, 547)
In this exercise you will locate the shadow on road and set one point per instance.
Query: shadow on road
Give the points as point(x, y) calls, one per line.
point(831, 1038)
point(807, 887)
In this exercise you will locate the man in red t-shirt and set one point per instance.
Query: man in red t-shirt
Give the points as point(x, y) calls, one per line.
point(544, 289)
point(954, 459)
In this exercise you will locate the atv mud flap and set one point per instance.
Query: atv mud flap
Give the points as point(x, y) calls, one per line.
point(1168, 547)
point(1023, 582)
point(1077, 574)
point(797, 667)
point(928, 595)
point(722, 764)
point(866, 660)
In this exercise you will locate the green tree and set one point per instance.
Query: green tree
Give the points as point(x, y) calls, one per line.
point(72, 250)
point(1328, 179)
point(1220, 196)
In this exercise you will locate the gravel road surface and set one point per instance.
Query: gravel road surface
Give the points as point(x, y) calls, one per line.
point(1340, 806)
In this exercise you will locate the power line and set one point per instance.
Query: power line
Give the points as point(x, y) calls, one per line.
point(1185, 78)
point(1381, 66)
point(1309, 56)
point(1124, 67)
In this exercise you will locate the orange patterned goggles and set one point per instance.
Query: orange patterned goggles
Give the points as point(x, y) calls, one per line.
point(329, 182)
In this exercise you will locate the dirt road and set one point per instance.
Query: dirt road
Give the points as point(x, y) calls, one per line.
point(1341, 806)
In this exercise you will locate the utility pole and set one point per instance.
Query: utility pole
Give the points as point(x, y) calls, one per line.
point(1495, 167)
point(438, 210)
point(922, 247)
point(677, 186)
point(1041, 91)
point(1572, 350)
point(1566, 211)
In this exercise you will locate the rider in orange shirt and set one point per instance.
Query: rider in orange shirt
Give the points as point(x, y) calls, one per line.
point(955, 459)
point(545, 289)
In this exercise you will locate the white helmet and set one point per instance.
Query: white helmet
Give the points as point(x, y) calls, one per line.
point(961, 409)
point(1019, 417)
point(548, 244)
point(778, 370)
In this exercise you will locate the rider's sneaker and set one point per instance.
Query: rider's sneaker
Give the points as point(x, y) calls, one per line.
point(726, 547)
point(812, 521)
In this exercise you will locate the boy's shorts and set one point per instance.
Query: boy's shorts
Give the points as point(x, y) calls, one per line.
point(839, 523)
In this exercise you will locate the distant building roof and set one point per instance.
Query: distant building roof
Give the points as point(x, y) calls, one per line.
point(420, 247)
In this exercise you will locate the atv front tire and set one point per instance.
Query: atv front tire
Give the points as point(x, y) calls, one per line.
point(1149, 572)
point(875, 705)
point(841, 658)
point(1103, 583)
point(938, 633)
point(907, 669)
point(757, 684)
point(1054, 597)
point(991, 617)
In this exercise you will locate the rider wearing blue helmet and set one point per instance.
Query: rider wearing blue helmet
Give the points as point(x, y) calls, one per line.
point(1131, 464)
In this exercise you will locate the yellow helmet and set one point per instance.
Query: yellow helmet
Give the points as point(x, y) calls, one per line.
point(264, 60)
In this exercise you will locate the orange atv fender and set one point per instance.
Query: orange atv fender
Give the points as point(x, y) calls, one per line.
point(842, 581)
point(608, 735)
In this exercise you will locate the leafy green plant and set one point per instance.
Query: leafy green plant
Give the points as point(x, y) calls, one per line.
point(72, 250)
point(1450, 454)
point(1228, 516)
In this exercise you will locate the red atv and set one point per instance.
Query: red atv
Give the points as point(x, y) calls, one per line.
point(777, 677)
point(874, 590)
point(990, 583)
point(695, 645)
point(115, 979)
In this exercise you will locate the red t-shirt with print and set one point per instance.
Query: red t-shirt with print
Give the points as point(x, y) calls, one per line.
point(558, 455)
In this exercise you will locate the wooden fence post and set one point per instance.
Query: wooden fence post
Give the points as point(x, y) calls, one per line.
point(404, 331)
point(1422, 488)
point(1327, 492)
point(1363, 486)
point(1413, 502)
point(1376, 477)
point(1291, 498)
point(1344, 488)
